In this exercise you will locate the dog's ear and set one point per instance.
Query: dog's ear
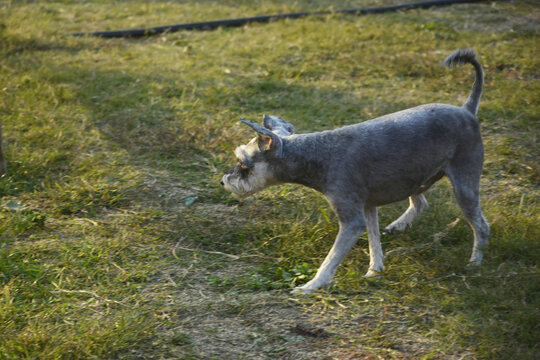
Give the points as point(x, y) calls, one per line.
point(268, 140)
point(267, 143)
point(278, 125)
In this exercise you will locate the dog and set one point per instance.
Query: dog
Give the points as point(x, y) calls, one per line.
point(360, 167)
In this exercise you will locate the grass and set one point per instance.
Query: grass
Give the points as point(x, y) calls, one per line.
point(116, 240)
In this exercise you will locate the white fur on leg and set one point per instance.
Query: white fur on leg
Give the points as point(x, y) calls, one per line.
point(417, 204)
point(347, 237)
point(481, 233)
point(376, 256)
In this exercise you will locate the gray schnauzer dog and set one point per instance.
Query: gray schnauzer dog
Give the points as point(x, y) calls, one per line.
point(360, 167)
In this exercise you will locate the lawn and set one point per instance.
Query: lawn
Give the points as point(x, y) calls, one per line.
point(118, 242)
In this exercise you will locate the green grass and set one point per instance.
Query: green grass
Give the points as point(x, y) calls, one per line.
point(116, 240)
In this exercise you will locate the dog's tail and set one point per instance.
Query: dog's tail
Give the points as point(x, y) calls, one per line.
point(460, 57)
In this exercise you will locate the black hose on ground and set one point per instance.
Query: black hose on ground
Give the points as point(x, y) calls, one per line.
point(209, 25)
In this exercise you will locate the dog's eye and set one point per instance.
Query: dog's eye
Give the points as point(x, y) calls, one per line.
point(244, 170)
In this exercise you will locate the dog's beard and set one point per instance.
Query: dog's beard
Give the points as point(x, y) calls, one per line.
point(256, 181)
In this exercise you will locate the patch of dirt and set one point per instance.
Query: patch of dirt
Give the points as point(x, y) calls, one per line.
point(228, 323)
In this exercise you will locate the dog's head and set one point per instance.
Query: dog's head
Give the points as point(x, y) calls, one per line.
point(256, 160)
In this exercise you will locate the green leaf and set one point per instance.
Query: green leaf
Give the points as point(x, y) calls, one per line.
point(189, 200)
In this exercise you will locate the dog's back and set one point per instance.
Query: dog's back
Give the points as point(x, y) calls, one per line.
point(391, 157)
point(396, 155)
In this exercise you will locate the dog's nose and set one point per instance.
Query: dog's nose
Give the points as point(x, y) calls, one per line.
point(221, 182)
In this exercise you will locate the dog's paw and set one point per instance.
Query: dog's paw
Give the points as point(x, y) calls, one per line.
point(300, 290)
point(373, 274)
point(394, 228)
point(472, 266)
point(311, 286)
point(476, 259)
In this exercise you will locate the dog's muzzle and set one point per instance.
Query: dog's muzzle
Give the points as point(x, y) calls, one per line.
point(224, 177)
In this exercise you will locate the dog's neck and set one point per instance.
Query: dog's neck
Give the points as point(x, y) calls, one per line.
point(304, 162)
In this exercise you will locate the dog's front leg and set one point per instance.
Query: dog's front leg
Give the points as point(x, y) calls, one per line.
point(349, 231)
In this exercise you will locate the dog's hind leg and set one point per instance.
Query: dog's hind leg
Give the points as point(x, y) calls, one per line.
point(417, 204)
point(466, 182)
point(376, 256)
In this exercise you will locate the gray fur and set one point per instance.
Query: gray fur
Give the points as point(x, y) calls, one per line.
point(373, 163)
point(278, 125)
point(460, 57)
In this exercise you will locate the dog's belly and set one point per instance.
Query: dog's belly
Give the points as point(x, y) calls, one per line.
point(388, 192)
point(396, 158)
